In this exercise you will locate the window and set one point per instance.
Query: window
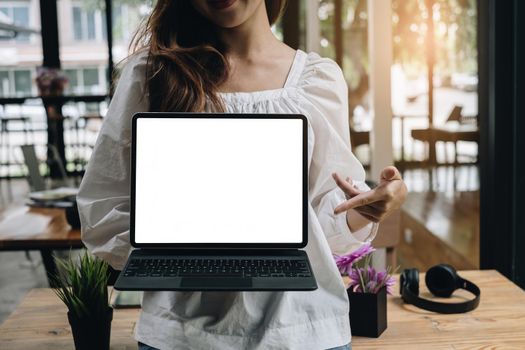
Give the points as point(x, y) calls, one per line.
point(84, 27)
point(127, 15)
point(90, 76)
point(85, 81)
point(77, 23)
point(84, 50)
point(19, 14)
point(120, 23)
point(17, 82)
point(4, 83)
point(22, 82)
point(72, 77)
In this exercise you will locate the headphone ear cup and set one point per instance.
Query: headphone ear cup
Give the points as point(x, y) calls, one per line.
point(442, 280)
point(412, 280)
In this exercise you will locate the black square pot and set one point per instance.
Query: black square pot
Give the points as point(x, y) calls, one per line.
point(93, 332)
point(368, 313)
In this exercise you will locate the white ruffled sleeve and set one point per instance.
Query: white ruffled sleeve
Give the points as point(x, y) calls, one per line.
point(325, 103)
point(103, 198)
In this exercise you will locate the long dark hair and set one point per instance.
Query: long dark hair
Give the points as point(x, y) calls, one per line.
point(185, 64)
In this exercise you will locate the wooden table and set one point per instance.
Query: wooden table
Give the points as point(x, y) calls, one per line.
point(446, 134)
point(56, 235)
point(40, 322)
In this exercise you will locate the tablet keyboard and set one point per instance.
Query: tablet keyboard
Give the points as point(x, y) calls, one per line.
point(217, 268)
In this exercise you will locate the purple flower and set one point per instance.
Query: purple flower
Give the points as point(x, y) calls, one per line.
point(355, 280)
point(389, 283)
point(344, 262)
point(368, 280)
point(387, 280)
point(372, 286)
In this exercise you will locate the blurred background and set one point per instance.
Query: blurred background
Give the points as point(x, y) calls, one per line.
point(441, 33)
point(414, 78)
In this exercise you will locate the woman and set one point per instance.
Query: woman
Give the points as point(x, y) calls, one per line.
point(220, 55)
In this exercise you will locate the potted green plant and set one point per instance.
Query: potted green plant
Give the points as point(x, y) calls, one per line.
point(366, 292)
point(83, 287)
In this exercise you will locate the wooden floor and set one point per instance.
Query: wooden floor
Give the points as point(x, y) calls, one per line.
point(440, 223)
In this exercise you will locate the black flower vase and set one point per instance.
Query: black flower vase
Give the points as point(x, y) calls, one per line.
point(91, 332)
point(367, 313)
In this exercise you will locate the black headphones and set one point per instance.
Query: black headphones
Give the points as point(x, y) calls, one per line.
point(441, 280)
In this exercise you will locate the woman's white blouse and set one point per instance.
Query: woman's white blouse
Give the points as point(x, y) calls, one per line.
point(316, 88)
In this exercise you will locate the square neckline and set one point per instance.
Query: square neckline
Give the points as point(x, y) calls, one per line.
point(292, 78)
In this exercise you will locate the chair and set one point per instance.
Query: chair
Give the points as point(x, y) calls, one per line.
point(5, 140)
point(7, 156)
point(463, 131)
point(36, 180)
point(455, 114)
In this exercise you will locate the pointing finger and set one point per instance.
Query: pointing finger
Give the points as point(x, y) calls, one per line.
point(346, 186)
point(358, 201)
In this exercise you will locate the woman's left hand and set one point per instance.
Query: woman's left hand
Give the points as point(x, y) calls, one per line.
point(378, 203)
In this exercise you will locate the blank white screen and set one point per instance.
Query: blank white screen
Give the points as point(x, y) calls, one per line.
point(218, 180)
